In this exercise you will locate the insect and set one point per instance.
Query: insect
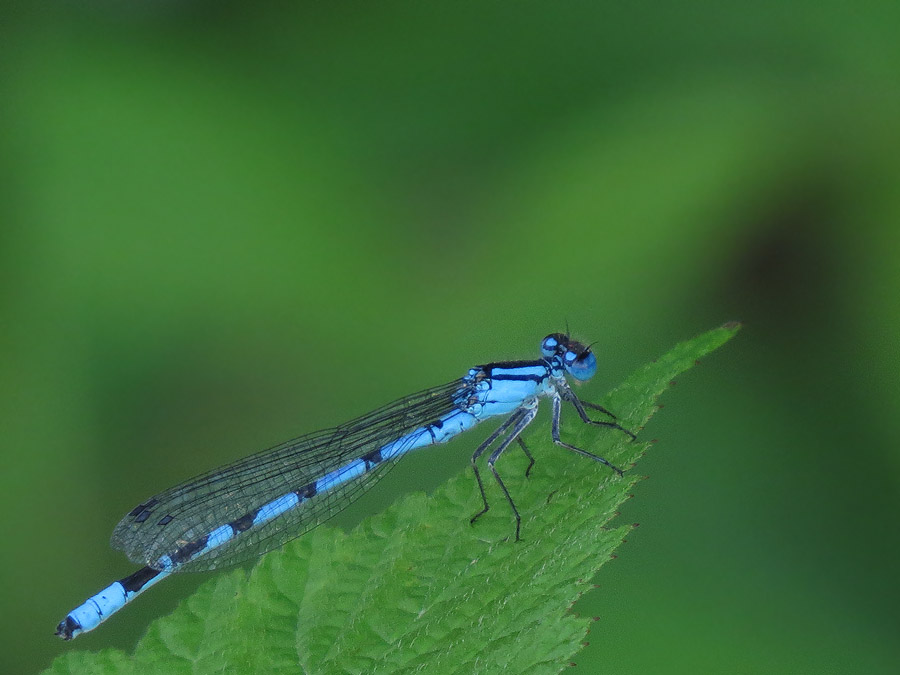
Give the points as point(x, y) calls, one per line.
point(239, 511)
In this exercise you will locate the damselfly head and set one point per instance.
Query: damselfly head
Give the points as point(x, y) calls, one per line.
point(578, 359)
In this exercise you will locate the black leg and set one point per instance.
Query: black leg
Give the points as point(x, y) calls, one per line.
point(526, 418)
point(524, 422)
point(521, 418)
point(527, 454)
point(596, 407)
point(557, 406)
point(513, 419)
point(579, 406)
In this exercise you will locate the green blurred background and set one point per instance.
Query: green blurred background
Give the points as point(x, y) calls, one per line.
point(226, 225)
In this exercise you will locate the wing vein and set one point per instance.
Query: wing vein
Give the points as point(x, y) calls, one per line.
point(196, 507)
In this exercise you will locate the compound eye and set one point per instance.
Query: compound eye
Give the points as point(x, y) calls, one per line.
point(549, 345)
point(581, 366)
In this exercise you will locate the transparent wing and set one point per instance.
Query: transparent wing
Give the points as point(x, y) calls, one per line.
point(185, 513)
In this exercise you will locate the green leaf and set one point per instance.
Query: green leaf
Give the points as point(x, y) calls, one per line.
point(417, 588)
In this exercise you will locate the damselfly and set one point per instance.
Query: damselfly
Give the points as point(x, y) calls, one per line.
point(254, 505)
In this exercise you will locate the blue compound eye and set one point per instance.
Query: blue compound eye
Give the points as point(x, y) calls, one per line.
point(549, 345)
point(581, 367)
